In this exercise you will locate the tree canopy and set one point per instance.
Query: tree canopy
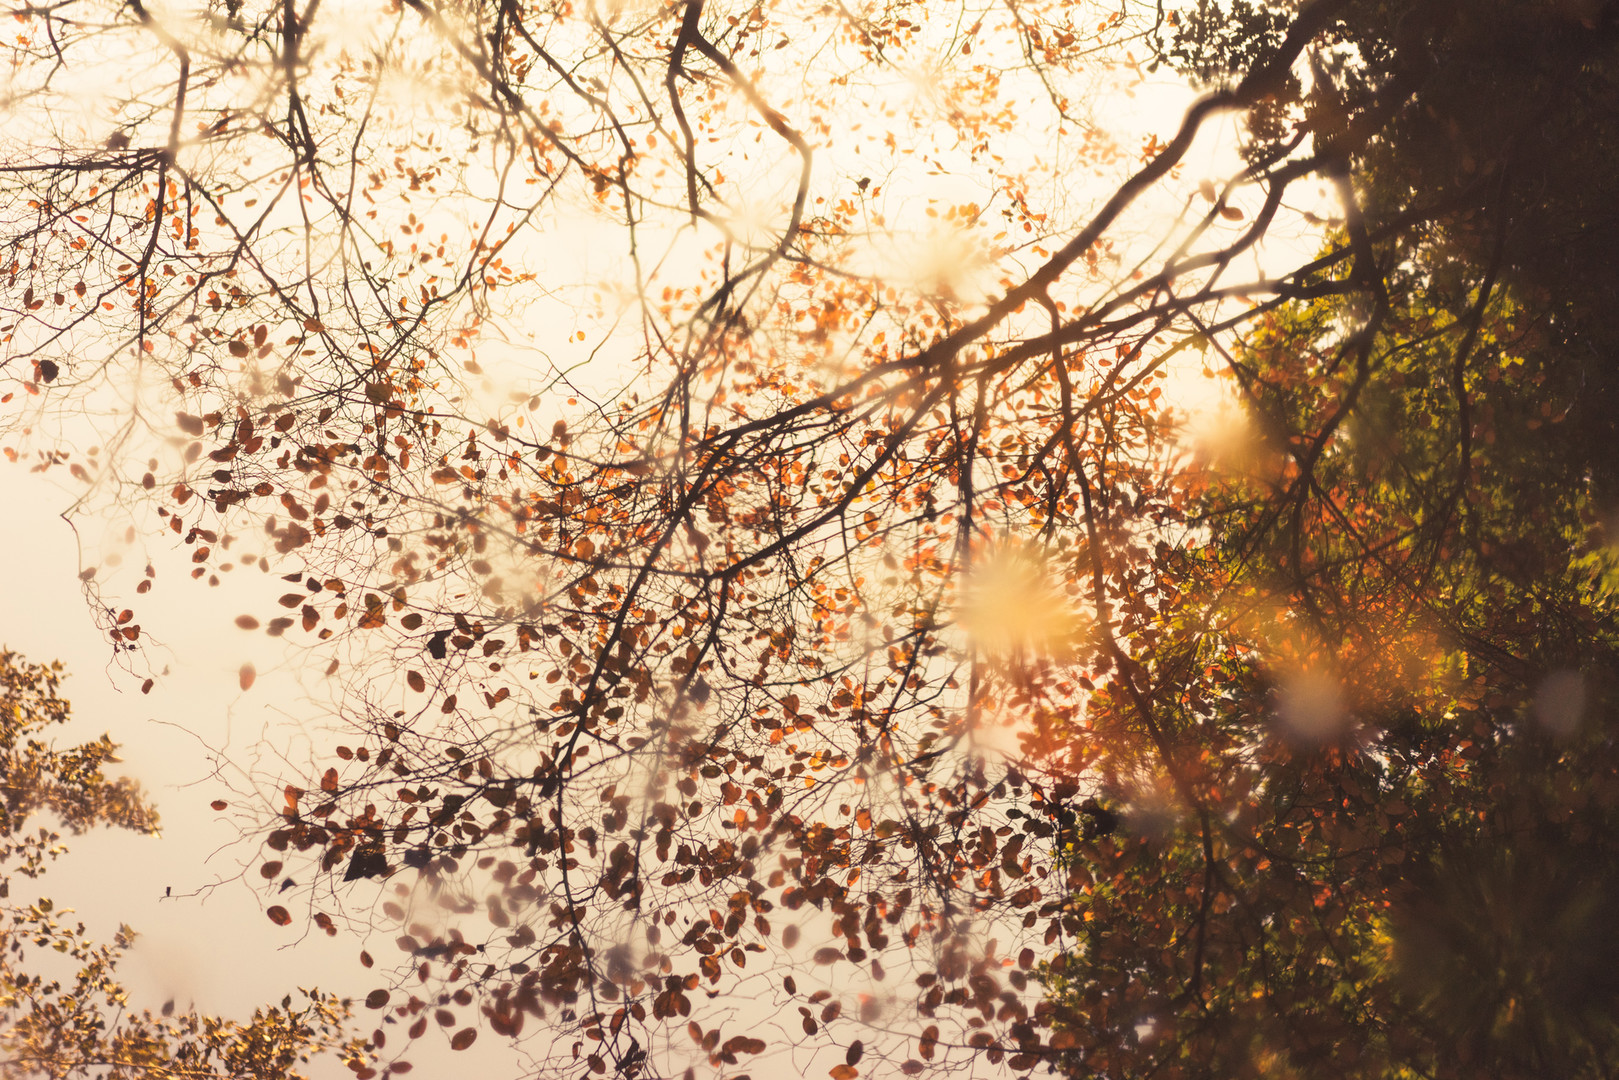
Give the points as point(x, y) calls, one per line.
point(83, 1025)
point(1379, 707)
point(732, 463)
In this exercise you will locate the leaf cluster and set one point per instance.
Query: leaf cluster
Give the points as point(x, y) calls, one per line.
point(83, 1024)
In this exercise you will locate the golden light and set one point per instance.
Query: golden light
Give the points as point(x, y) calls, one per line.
point(1013, 606)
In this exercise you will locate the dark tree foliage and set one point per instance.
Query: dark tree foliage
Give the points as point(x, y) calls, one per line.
point(1479, 133)
point(1380, 715)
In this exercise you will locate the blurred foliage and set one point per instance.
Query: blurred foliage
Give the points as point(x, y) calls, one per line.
point(1376, 839)
point(1371, 793)
point(1479, 133)
point(77, 1021)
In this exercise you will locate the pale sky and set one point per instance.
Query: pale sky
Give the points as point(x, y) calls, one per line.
point(210, 944)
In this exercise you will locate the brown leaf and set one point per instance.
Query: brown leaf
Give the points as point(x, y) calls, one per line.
point(744, 1044)
point(376, 999)
point(463, 1038)
point(245, 677)
point(279, 915)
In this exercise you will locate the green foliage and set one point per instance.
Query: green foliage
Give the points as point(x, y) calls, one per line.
point(1372, 834)
point(1215, 42)
point(1371, 754)
point(1478, 133)
point(34, 777)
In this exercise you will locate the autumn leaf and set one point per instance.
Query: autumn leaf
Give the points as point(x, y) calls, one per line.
point(876, 581)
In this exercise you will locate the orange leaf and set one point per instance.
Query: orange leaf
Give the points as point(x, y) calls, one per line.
point(246, 676)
